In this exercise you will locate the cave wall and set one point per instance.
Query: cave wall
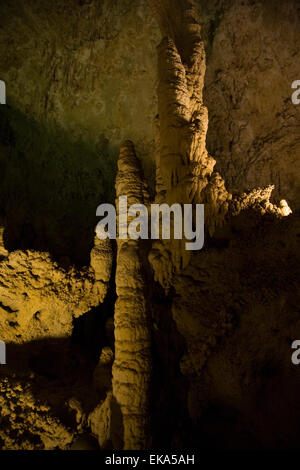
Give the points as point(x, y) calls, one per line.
point(84, 67)
point(80, 79)
point(93, 73)
point(90, 83)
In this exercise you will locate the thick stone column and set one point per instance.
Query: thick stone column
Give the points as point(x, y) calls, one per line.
point(132, 365)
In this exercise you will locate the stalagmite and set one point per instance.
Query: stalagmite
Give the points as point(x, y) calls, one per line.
point(132, 365)
point(185, 170)
point(101, 259)
point(3, 250)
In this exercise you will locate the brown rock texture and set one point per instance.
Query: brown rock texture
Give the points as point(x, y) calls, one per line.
point(19, 410)
point(185, 170)
point(84, 53)
point(253, 126)
point(132, 365)
point(140, 345)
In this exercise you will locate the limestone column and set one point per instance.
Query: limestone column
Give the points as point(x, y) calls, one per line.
point(132, 365)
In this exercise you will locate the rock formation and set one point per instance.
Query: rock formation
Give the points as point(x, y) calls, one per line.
point(132, 365)
point(189, 350)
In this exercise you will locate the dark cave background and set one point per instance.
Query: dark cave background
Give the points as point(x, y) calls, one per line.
point(81, 77)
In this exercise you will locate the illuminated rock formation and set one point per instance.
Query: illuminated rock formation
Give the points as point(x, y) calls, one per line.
point(219, 322)
point(3, 250)
point(132, 365)
point(18, 408)
point(101, 259)
point(39, 299)
point(185, 170)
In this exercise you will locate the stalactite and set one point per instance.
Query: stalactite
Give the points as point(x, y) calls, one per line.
point(132, 365)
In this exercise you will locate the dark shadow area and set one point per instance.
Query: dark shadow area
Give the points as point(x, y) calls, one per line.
point(50, 188)
point(55, 370)
point(94, 330)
